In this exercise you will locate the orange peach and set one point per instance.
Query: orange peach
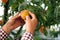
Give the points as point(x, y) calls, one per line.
point(24, 13)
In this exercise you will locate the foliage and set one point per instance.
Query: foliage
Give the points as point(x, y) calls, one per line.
point(47, 15)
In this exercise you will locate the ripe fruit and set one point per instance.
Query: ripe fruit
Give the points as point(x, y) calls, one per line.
point(24, 13)
point(4, 1)
point(0, 21)
point(42, 29)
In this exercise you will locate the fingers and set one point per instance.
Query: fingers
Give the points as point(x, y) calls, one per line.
point(16, 16)
point(27, 19)
point(32, 15)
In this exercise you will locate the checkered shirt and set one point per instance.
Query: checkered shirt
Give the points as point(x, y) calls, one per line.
point(3, 35)
point(27, 36)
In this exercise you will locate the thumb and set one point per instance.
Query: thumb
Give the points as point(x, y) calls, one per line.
point(27, 18)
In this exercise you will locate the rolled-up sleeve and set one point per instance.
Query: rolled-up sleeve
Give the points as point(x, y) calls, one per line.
point(3, 35)
point(27, 36)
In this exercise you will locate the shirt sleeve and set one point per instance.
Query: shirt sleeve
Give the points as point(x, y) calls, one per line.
point(3, 35)
point(27, 36)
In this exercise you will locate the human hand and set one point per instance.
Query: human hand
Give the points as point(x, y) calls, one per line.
point(13, 23)
point(31, 23)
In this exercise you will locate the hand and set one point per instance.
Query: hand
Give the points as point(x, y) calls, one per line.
point(31, 23)
point(12, 23)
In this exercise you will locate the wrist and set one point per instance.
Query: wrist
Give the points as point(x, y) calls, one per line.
point(6, 29)
point(30, 31)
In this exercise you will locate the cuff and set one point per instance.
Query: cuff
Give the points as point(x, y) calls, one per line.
point(3, 35)
point(27, 36)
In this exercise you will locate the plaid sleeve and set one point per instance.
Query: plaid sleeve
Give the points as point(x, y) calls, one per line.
point(27, 36)
point(3, 35)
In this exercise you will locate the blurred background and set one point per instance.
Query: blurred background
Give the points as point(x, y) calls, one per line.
point(46, 11)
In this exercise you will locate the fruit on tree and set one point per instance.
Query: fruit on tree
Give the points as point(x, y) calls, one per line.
point(4, 1)
point(0, 21)
point(42, 29)
point(24, 13)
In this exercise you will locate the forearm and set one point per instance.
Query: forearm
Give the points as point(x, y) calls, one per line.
point(6, 29)
point(30, 31)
